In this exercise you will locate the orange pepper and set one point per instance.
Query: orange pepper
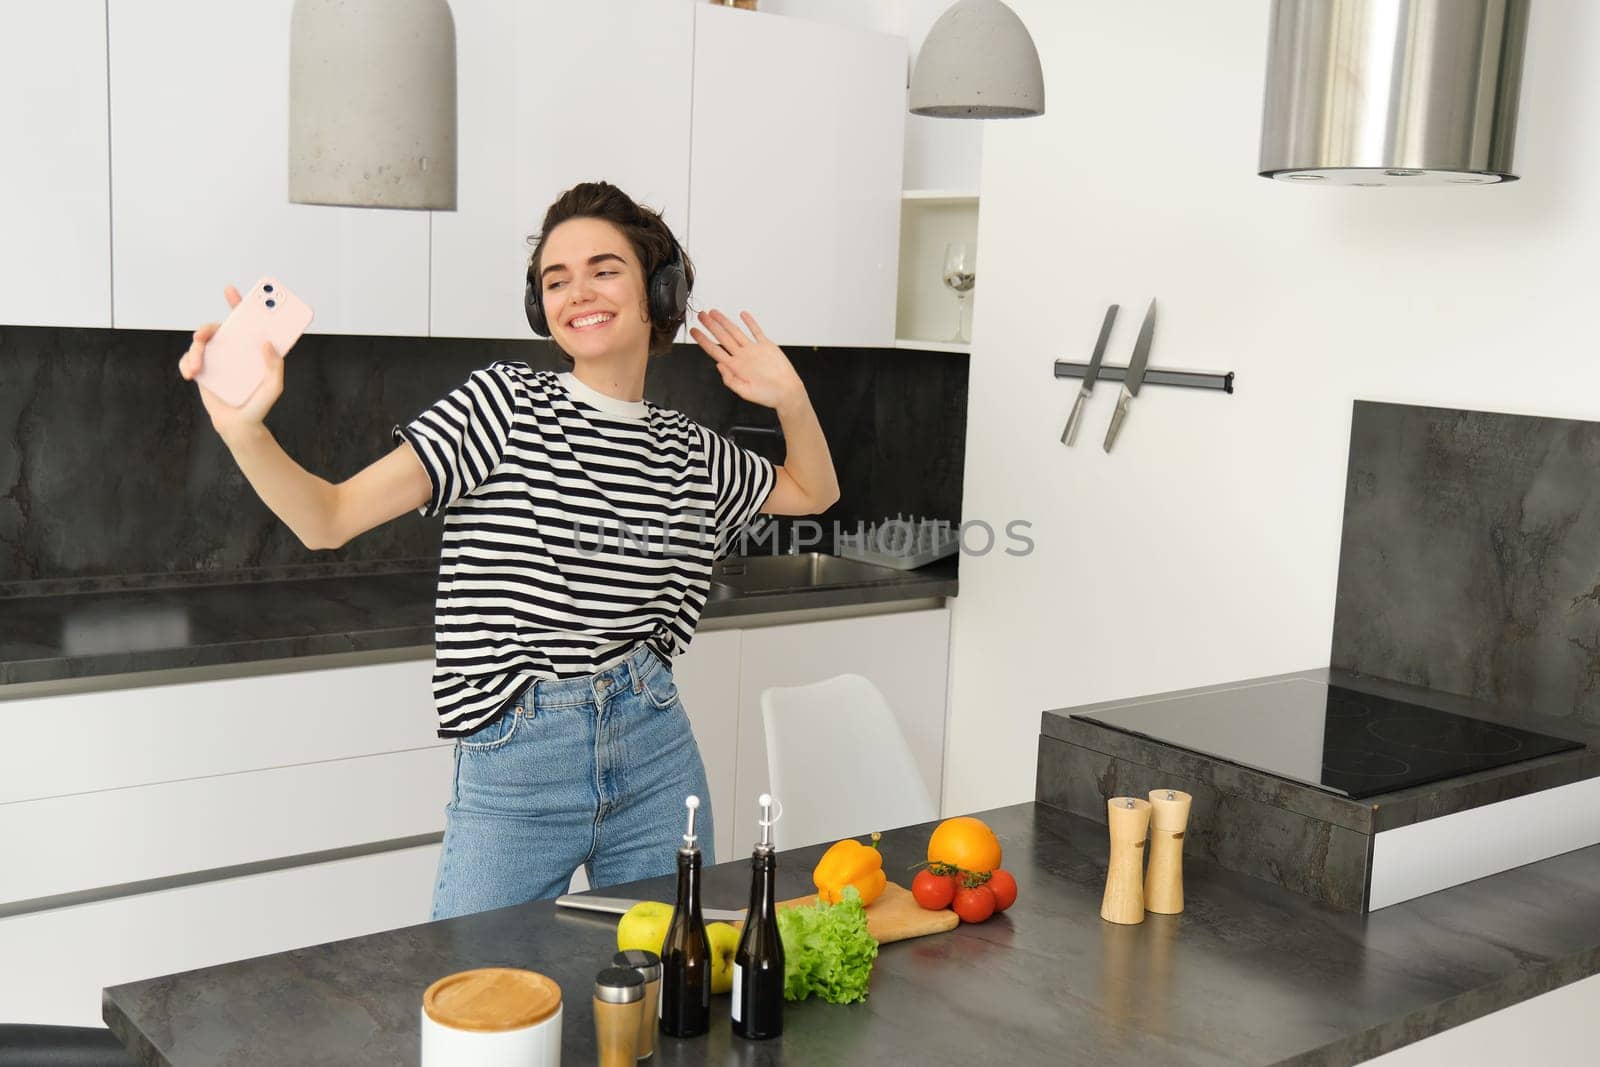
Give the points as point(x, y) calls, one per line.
point(848, 863)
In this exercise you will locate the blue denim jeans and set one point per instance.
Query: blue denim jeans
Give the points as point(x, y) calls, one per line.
point(584, 772)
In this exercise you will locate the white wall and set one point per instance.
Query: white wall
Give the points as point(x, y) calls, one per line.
point(1206, 547)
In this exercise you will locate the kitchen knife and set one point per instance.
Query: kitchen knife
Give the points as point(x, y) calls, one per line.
point(618, 905)
point(1070, 432)
point(1135, 375)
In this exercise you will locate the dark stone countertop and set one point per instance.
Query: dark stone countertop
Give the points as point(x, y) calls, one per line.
point(80, 635)
point(1248, 974)
point(1386, 811)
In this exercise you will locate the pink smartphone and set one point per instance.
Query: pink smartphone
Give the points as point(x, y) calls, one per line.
point(233, 365)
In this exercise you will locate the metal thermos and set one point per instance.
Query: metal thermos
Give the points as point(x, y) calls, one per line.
point(618, 1004)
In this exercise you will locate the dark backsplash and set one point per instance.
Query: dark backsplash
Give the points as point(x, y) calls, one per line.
point(1470, 561)
point(111, 476)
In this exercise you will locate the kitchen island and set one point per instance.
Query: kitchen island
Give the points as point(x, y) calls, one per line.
point(1250, 973)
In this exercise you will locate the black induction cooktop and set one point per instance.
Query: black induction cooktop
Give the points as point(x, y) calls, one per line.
point(1338, 739)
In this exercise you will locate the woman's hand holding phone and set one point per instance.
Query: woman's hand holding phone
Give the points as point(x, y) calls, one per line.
point(226, 419)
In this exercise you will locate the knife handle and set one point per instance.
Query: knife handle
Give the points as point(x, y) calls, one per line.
point(1070, 432)
point(1116, 418)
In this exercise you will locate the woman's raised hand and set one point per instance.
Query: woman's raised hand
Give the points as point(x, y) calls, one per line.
point(226, 419)
point(751, 365)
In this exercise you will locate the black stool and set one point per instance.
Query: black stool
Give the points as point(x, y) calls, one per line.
point(27, 1045)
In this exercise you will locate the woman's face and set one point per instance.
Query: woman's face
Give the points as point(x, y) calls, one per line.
point(593, 291)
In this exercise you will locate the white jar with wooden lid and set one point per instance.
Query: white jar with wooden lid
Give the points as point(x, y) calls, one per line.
point(492, 1017)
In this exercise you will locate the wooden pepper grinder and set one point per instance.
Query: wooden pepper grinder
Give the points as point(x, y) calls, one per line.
point(1163, 883)
point(1128, 819)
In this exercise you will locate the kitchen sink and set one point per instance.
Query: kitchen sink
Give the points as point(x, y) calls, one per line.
point(806, 570)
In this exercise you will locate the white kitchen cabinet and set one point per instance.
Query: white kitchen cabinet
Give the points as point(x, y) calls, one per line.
point(558, 93)
point(121, 836)
point(795, 180)
point(905, 654)
point(199, 181)
point(169, 780)
point(120, 738)
point(246, 770)
point(55, 190)
point(1560, 1026)
point(707, 674)
point(56, 962)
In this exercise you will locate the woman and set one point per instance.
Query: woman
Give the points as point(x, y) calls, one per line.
point(580, 525)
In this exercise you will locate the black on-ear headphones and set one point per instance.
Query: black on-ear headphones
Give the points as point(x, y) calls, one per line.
point(668, 293)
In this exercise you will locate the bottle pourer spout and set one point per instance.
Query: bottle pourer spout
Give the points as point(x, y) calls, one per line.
point(767, 818)
point(693, 804)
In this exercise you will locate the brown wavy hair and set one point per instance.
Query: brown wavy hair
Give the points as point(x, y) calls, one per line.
point(645, 229)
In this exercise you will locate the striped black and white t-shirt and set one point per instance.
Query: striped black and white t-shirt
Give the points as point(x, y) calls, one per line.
point(576, 526)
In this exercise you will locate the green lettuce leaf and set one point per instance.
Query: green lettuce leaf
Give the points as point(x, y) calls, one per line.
point(827, 950)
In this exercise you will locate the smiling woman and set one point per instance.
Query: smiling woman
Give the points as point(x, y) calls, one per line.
point(581, 523)
point(600, 254)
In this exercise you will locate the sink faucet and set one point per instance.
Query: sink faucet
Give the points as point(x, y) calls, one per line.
point(774, 432)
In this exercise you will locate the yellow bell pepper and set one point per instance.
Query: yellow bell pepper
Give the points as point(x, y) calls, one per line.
point(848, 863)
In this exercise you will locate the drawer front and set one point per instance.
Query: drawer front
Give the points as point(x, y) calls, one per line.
point(109, 838)
point(57, 962)
point(80, 742)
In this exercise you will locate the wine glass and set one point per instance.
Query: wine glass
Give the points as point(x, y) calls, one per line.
point(960, 273)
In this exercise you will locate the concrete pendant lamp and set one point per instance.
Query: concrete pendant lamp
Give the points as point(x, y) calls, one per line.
point(978, 62)
point(372, 104)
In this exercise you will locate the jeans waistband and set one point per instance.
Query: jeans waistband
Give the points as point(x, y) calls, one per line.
point(631, 673)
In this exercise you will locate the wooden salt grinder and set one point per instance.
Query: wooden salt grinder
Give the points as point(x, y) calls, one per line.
point(1163, 882)
point(1128, 819)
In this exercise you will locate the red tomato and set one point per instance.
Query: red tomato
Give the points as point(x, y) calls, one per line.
point(933, 891)
point(1004, 888)
point(974, 904)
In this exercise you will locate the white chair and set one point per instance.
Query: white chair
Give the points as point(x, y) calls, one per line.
point(838, 762)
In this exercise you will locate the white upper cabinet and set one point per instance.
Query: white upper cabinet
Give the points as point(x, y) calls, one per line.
point(556, 93)
point(55, 196)
point(156, 166)
point(794, 208)
point(199, 180)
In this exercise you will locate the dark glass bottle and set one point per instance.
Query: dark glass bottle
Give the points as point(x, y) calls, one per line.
point(686, 953)
point(757, 1006)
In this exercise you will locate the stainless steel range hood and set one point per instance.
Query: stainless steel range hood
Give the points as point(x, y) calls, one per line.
point(1393, 92)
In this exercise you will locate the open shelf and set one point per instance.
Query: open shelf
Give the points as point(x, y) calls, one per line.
point(932, 346)
point(930, 219)
point(940, 196)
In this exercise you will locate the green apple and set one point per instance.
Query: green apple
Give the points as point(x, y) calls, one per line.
point(724, 943)
point(644, 926)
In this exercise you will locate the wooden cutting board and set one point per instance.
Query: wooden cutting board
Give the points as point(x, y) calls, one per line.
point(894, 916)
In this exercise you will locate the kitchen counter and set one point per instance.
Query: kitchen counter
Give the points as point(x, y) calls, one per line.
point(46, 639)
point(1249, 974)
